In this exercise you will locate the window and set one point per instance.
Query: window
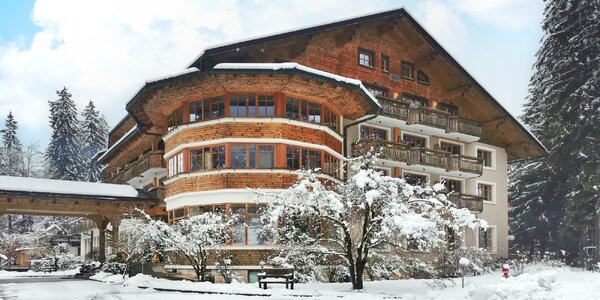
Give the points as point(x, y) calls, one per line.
point(207, 158)
point(195, 111)
point(292, 108)
point(366, 58)
point(414, 141)
point(266, 156)
point(449, 108)
point(414, 100)
point(239, 156)
point(313, 112)
point(422, 78)
point(311, 159)
point(331, 165)
point(450, 147)
point(407, 70)
point(266, 106)
point(247, 226)
point(377, 91)
point(214, 107)
point(486, 191)
point(251, 156)
point(486, 238)
point(293, 158)
point(453, 185)
point(243, 105)
point(373, 133)
point(415, 179)
point(385, 63)
point(218, 157)
point(330, 119)
point(486, 156)
point(175, 165)
point(174, 119)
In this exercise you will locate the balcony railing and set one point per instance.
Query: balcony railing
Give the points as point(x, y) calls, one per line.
point(150, 160)
point(401, 110)
point(420, 156)
point(394, 108)
point(472, 202)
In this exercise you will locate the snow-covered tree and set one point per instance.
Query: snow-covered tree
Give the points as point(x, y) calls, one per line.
point(563, 110)
point(12, 147)
point(33, 160)
point(94, 137)
point(361, 220)
point(63, 155)
point(195, 238)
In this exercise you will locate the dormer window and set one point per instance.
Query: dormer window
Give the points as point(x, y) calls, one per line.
point(407, 70)
point(366, 58)
point(422, 78)
point(385, 63)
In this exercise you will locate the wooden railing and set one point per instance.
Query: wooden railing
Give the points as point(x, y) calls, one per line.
point(401, 110)
point(472, 202)
point(394, 108)
point(419, 156)
point(386, 149)
point(150, 160)
point(428, 116)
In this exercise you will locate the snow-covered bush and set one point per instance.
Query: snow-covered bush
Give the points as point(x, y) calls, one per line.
point(114, 268)
point(194, 238)
point(446, 262)
point(353, 221)
point(224, 267)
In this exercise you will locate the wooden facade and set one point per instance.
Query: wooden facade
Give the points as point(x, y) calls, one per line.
point(421, 90)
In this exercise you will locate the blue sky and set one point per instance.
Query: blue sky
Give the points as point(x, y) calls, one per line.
point(105, 50)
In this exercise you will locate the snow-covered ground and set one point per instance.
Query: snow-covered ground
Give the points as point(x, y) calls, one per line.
point(7, 274)
point(539, 282)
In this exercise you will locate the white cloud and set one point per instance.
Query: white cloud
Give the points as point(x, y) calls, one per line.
point(105, 50)
point(505, 14)
point(443, 22)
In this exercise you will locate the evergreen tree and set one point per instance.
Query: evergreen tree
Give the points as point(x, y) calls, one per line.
point(558, 195)
point(63, 157)
point(94, 137)
point(13, 150)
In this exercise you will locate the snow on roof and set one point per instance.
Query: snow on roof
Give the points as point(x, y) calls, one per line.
point(297, 66)
point(53, 226)
point(40, 185)
point(173, 75)
point(116, 144)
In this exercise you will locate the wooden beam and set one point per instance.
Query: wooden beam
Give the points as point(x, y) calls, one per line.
point(458, 91)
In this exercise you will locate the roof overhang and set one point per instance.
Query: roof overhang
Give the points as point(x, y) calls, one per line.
point(136, 109)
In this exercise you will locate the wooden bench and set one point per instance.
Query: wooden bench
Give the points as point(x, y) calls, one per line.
point(49, 269)
point(276, 276)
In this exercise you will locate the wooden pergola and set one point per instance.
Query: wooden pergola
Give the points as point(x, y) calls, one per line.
point(102, 203)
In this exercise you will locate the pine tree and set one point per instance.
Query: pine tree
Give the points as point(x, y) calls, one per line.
point(13, 150)
point(94, 137)
point(63, 158)
point(563, 110)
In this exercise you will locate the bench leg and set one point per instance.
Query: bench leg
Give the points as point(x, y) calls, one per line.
point(292, 285)
point(265, 286)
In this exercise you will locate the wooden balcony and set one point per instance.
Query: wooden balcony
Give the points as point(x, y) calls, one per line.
point(149, 160)
point(421, 115)
point(472, 202)
point(401, 152)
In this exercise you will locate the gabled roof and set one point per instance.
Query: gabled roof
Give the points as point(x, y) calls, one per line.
point(402, 13)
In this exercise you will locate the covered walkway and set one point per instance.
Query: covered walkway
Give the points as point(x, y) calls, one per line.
point(100, 202)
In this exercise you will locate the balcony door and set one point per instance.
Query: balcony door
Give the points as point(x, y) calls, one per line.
point(373, 133)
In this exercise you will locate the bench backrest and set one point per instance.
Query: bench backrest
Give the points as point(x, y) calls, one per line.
point(279, 272)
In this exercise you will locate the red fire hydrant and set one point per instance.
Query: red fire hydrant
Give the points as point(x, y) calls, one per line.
point(505, 269)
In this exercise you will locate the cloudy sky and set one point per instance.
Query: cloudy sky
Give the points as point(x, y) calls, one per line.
point(105, 50)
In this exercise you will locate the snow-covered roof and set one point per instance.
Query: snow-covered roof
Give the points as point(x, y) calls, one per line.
point(297, 66)
point(108, 151)
point(51, 186)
